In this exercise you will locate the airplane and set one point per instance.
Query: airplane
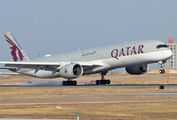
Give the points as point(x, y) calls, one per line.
point(134, 56)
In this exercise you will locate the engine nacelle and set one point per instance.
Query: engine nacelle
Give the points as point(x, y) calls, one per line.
point(138, 69)
point(71, 71)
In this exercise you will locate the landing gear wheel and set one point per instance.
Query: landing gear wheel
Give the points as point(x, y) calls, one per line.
point(103, 82)
point(70, 82)
point(97, 82)
point(161, 71)
point(74, 82)
point(108, 82)
point(66, 83)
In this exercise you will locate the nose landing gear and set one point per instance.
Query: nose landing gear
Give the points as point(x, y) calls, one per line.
point(161, 71)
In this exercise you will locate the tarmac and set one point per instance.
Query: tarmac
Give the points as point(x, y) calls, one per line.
point(141, 86)
point(80, 102)
point(30, 119)
point(112, 98)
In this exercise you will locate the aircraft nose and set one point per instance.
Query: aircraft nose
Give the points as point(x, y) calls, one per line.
point(168, 53)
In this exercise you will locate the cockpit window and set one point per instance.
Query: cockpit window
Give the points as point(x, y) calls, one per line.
point(160, 46)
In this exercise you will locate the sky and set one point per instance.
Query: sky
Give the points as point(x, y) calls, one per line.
point(59, 26)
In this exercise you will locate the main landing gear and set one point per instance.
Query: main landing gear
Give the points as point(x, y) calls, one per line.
point(69, 82)
point(103, 81)
point(161, 71)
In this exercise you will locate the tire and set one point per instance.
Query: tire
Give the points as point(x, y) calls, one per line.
point(64, 83)
point(101, 82)
point(69, 82)
point(161, 87)
point(163, 71)
point(160, 71)
point(97, 82)
point(108, 82)
point(104, 82)
point(74, 82)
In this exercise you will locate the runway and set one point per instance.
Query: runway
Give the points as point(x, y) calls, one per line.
point(86, 102)
point(91, 98)
point(105, 98)
point(140, 86)
point(174, 93)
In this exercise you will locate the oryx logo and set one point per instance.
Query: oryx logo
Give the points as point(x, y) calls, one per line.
point(66, 71)
point(15, 51)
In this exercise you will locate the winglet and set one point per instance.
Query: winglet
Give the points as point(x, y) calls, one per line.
point(16, 51)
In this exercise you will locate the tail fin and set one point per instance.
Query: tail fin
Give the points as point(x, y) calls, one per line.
point(16, 51)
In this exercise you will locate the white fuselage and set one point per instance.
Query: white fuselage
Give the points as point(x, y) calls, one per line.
point(111, 57)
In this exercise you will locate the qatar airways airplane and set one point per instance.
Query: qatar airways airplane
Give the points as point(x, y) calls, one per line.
point(134, 56)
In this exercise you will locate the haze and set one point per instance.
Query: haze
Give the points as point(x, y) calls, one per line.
point(59, 26)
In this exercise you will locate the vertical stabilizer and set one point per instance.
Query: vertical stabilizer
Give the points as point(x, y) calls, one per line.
point(16, 51)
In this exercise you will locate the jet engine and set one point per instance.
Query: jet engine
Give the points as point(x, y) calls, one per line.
point(138, 69)
point(71, 71)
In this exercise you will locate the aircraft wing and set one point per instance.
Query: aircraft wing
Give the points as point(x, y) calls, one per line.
point(50, 66)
